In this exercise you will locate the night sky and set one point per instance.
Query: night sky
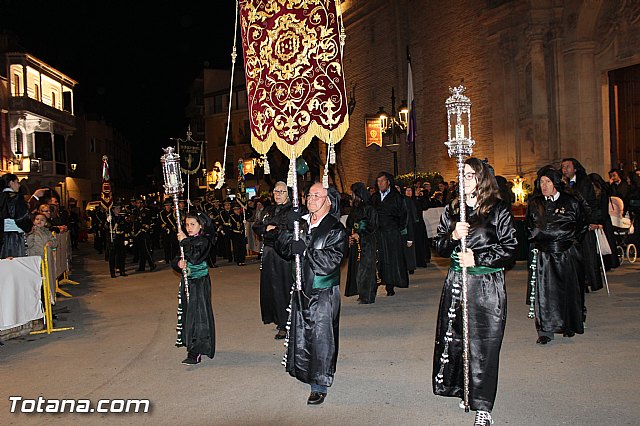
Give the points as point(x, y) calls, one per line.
point(134, 61)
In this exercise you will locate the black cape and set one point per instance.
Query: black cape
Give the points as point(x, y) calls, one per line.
point(312, 349)
point(392, 219)
point(276, 278)
point(493, 241)
point(361, 274)
point(555, 230)
point(13, 206)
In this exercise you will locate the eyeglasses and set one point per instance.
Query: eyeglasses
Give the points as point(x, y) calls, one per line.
point(469, 176)
point(280, 192)
point(314, 197)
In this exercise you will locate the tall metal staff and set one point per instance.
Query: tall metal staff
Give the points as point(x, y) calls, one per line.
point(173, 186)
point(460, 146)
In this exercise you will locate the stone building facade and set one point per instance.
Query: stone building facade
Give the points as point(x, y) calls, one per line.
point(540, 75)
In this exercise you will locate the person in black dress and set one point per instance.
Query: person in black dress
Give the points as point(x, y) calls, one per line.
point(276, 279)
point(362, 225)
point(491, 246)
point(196, 326)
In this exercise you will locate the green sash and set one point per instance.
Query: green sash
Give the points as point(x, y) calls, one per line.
point(476, 270)
point(326, 281)
point(198, 270)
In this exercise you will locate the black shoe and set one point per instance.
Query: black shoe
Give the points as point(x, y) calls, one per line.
point(113, 274)
point(569, 334)
point(281, 335)
point(316, 398)
point(192, 359)
point(543, 340)
point(411, 272)
point(153, 267)
point(391, 293)
point(124, 274)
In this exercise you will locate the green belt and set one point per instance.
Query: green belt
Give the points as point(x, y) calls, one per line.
point(326, 281)
point(475, 270)
point(198, 270)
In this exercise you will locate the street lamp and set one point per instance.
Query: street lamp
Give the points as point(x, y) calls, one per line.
point(393, 124)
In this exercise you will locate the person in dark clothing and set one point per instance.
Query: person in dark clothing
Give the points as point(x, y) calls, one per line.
point(225, 231)
point(581, 186)
point(15, 220)
point(556, 224)
point(141, 228)
point(619, 187)
point(238, 237)
point(169, 228)
point(312, 346)
point(491, 246)
point(603, 196)
point(117, 234)
point(409, 231)
point(392, 219)
point(362, 225)
point(276, 279)
point(196, 324)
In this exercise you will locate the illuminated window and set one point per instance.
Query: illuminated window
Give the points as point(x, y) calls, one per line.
point(16, 85)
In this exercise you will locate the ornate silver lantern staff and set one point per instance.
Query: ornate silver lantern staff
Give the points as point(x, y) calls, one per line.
point(460, 146)
point(173, 186)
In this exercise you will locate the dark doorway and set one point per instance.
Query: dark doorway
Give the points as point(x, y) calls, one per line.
point(624, 97)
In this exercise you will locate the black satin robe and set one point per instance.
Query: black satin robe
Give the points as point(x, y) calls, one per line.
point(312, 350)
point(361, 274)
point(556, 229)
point(276, 279)
point(493, 241)
point(198, 325)
point(392, 219)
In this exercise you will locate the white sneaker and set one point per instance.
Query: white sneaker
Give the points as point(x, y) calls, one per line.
point(483, 418)
point(461, 404)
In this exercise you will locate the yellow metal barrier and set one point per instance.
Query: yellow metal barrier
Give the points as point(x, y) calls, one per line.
point(48, 310)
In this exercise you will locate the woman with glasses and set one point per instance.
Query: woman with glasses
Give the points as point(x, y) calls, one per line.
point(275, 271)
point(491, 245)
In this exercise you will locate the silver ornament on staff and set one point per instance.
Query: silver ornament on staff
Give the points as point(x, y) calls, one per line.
point(173, 187)
point(460, 146)
point(296, 289)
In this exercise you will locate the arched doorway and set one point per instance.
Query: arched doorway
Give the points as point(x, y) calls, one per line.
point(624, 98)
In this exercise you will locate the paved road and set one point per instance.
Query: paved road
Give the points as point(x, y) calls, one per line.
point(123, 348)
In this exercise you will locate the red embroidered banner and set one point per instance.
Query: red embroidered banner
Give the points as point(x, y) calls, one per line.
point(293, 67)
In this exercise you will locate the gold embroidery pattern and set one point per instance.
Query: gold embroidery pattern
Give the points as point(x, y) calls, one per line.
point(293, 67)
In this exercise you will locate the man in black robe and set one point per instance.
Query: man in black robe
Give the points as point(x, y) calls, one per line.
point(312, 346)
point(276, 279)
point(581, 186)
point(556, 225)
point(392, 219)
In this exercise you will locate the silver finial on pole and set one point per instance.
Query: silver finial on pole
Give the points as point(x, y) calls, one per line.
point(460, 145)
point(173, 186)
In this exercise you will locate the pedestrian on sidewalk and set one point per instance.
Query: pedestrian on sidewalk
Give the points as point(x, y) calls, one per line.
point(491, 246)
point(196, 326)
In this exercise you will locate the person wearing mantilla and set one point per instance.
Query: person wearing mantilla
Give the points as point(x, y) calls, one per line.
point(491, 246)
point(556, 223)
point(362, 225)
point(312, 345)
point(196, 326)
